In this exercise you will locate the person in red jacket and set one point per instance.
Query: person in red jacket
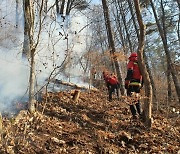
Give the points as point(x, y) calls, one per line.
point(134, 82)
point(112, 84)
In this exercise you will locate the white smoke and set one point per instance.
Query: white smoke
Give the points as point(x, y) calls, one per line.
point(13, 79)
point(14, 72)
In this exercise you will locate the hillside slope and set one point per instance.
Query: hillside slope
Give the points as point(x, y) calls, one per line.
point(91, 125)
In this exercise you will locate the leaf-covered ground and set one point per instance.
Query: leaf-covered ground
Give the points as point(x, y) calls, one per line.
point(92, 125)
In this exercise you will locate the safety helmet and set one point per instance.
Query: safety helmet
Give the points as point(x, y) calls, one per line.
point(133, 54)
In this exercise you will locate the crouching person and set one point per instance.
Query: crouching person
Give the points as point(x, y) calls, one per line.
point(133, 83)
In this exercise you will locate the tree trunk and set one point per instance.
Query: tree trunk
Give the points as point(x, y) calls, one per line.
point(62, 7)
point(148, 88)
point(125, 25)
point(28, 27)
point(28, 49)
point(169, 84)
point(133, 17)
point(31, 105)
point(162, 33)
point(112, 46)
point(178, 28)
point(45, 6)
point(144, 54)
point(68, 7)
point(72, 85)
point(57, 6)
point(119, 29)
point(109, 33)
point(17, 13)
point(151, 78)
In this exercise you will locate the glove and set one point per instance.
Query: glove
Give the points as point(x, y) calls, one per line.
point(127, 84)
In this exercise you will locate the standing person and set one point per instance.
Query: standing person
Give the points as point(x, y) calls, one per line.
point(134, 82)
point(114, 86)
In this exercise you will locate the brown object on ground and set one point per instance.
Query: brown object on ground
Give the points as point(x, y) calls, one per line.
point(75, 86)
point(76, 95)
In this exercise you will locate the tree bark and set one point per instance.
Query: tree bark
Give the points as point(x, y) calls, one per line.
point(169, 84)
point(133, 17)
point(45, 6)
point(168, 67)
point(125, 25)
point(31, 105)
point(119, 29)
point(178, 28)
point(57, 6)
point(17, 13)
point(112, 46)
point(28, 27)
point(28, 49)
point(144, 54)
point(62, 7)
point(75, 86)
point(151, 78)
point(68, 7)
point(148, 88)
point(162, 33)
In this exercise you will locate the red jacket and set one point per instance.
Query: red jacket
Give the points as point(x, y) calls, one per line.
point(136, 74)
point(113, 80)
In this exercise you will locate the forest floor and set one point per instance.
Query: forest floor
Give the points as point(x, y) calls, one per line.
point(92, 125)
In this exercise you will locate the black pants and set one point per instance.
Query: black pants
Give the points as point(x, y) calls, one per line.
point(108, 86)
point(113, 88)
point(137, 107)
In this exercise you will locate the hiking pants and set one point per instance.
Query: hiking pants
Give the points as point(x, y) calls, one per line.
point(112, 88)
point(137, 107)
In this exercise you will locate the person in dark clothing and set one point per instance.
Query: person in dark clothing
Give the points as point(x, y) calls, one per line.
point(112, 84)
point(133, 83)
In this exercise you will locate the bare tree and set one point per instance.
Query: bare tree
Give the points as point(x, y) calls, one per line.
point(168, 67)
point(119, 27)
point(148, 88)
point(62, 7)
point(75, 4)
point(163, 34)
point(30, 45)
point(150, 76)
point(144, 54)
point(28, 48)
point(45, 6)
point(112, 46)
point(123, 16)
point(57, 6)
point(178, 26)
point(28, 27)
point(133, 17)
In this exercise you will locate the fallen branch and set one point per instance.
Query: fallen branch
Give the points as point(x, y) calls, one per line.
point(75, 86)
